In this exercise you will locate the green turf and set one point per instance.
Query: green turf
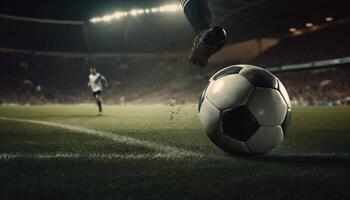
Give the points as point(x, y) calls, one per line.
point(312, 162)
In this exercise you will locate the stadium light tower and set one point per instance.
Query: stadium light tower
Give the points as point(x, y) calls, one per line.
point(329, 19)
point(292, 30)
point(309, 25)
point(170, 8)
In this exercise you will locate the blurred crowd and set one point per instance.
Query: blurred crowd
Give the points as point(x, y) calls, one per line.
point(327, 43)
point(29, 78)
point(32, 79)
point(330, 86)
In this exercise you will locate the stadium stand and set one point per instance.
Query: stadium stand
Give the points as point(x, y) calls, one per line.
point(328, 86)
point(42, 69)
point(38, 79)
point(322, 44)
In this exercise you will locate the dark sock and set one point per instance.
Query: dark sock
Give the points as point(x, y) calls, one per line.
point(197, 13)
point(99, 104)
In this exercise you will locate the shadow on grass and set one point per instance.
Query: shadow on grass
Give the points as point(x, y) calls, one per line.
point(310, 159)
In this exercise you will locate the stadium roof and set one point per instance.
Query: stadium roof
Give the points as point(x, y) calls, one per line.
point(243, 19)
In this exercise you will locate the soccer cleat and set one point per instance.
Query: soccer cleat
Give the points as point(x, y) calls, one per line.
point(206, 44)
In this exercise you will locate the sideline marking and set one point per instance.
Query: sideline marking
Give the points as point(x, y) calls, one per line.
point(168, 152)
point(93, 156)
point(322, 157)
point(167, 149)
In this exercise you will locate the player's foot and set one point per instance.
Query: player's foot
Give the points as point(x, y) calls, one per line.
point(206, 44)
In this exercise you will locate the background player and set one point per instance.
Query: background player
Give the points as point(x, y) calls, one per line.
point(95, 82)
point(209, 39)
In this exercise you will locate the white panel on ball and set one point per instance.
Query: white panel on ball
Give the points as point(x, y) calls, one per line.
point(209, 116)
point(226, 68)
point(229, 91)
point(245, 66)
point(231, 145)
point(265, 139)
point(284, 93)
point(267, 106)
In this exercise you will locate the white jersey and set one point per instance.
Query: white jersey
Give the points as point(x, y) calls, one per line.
point(95, 82)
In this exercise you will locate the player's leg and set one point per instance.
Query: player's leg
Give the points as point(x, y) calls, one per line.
point(98, 98)
point(197, 13)
point(99, 102)
point(209, 39)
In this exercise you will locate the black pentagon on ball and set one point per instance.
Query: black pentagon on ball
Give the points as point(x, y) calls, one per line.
point(227, 71)
point(286, 121)
point(201, 98)
point(239, 123)
point(259, 77)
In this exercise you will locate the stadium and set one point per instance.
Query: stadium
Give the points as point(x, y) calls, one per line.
point(148, 143)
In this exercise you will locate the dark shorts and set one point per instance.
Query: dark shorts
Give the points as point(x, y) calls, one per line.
point(97, 93)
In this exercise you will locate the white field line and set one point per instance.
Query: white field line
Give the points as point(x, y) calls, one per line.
point(167, 152)
point(167, 149)
point(115, 156)
point(93, 156)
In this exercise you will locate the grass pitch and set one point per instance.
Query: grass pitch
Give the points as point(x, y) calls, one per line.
point(160, 152)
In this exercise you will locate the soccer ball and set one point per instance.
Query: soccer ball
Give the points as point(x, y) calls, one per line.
point(245, 110)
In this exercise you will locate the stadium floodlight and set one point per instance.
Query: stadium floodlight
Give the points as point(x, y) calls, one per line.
point(292, 30)
point(133, 12)
point(140, 11)
point(309, 25)
point(118, 15)
point(329, 19)
point(107, 18)
point(170, 8)
point(155, 10)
